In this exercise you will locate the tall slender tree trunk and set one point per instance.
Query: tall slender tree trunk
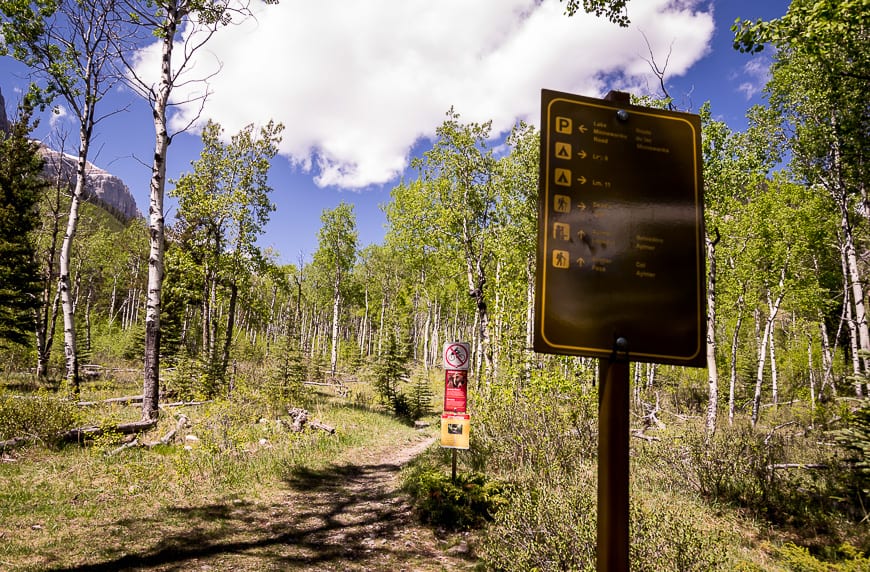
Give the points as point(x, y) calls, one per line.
point(827, 357)
point(848, 310)
point(336, 303)
point(427, 329)
point(712, 369)
point(228, 334)
point(364, 329)
point(45, 336)
point(528, 354)
point(151, 378)
point(69, 331)
point(763, 349)
point(735, 340)
point(476, 284)
point(811, 372)
point(761, 342)
point(853, 275)
point(46, 320)
point(381, 325)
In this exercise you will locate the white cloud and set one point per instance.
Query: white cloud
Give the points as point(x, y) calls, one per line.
point(59, 115)
point(757, 72)
point(357, 83)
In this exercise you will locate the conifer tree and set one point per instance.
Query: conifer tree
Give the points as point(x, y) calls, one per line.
point(20, 187)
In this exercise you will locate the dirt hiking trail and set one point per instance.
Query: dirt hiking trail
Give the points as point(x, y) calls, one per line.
point(348, 516)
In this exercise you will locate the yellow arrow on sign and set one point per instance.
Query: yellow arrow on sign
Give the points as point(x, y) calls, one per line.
point(582, 180)
point(582, 128)
point(582, 154)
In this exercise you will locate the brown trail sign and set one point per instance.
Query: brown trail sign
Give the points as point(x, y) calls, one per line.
point(620, 272)
point(620, 232)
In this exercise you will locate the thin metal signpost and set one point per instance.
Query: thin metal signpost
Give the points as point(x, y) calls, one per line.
point(613, 463)
point(620, 265)
point(455, 421)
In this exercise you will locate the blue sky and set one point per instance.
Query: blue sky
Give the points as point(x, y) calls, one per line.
point(362, 86)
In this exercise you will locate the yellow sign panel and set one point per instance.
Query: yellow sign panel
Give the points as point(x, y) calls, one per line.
point(455, 430)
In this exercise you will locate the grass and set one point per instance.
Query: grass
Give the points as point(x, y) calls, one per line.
point(246, 493)
point(74, 507)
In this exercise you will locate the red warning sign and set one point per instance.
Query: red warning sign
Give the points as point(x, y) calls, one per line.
point(456, 390)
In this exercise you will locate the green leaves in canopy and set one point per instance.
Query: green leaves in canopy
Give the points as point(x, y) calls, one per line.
point(613, 10)
point(224, 203)
point(825, 30)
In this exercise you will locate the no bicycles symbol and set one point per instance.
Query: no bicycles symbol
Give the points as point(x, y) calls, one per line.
point(456, 355)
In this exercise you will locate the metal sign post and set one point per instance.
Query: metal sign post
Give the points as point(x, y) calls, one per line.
point(620, 266)
point(455, 421)
point(613, 465)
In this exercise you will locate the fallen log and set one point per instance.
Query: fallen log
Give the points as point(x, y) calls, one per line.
point(811, 466)
point(165, 440)
point(14, 443)
point(128, 445)
point(322, 426)
point(182, 421)
point(300, 419)
point(187, 403)
point(641, 435)
point(78, 434)
point(128, 400)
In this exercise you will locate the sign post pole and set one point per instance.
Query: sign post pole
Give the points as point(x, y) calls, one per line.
point(613, 448)
point(613, 465)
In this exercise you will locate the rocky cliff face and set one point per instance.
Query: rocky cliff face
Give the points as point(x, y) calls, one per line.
point(4, 121)
point(101, 187)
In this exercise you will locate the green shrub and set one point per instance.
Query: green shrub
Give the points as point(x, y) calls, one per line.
point(544, 529)
point(554, 528)
point(546, 430)
point(799, 559)
point(854, 438)
point(666, 537)
point(39, 416)
point(755, 468)
point(469, 502)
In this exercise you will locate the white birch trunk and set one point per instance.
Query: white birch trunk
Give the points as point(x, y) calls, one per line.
point(712, 369)
point(735, 339)
point(333, 356)
point(151, 382)
point(67, 305)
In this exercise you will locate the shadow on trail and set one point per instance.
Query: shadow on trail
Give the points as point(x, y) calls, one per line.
point(339, 518)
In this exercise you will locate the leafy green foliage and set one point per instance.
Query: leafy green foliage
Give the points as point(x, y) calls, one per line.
point(469, 502)
point(553, 528)
point(772, 472)
point(544, 529)
point(854, 438)
point(613, 10)
point(38, 416)
point(799, 559)
point(546, 430)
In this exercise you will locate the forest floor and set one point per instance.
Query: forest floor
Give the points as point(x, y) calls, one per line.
point(348, 516)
